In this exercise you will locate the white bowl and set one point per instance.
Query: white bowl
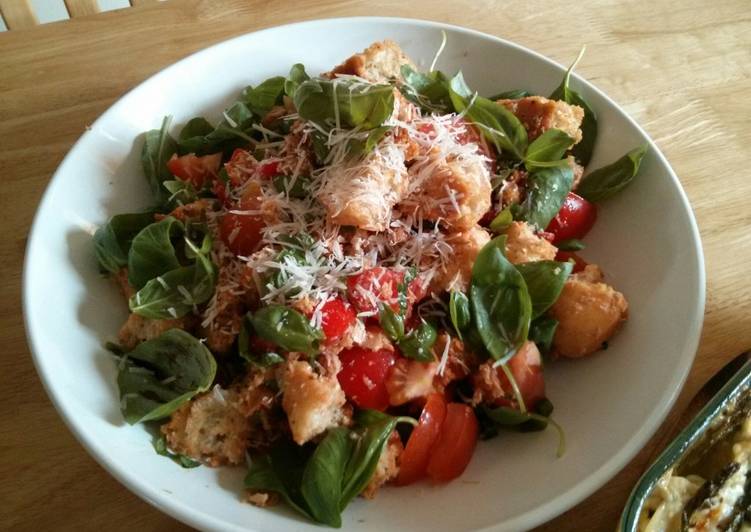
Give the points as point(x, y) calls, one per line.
point(646, 240)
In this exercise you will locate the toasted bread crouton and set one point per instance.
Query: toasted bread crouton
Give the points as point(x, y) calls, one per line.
point(379, 63)
point(362, 192)
point(523, 245)
point(262, 499)
point(459, 361)
point(577, 169)
point(387, 468)
point(408, 380)
point(589, 312)
point(457, 272)
point(539, 114)
point(297, 152)
point(375, 339)
point(313, 403)
point(122, 282)
point(138, 329)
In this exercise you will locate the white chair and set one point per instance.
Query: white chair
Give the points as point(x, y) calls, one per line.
point(19, 14)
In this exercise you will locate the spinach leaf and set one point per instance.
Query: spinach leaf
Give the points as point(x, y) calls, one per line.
point(459, 312)
point(344, 103)
point(500, 302)
point(297, 75)
point(607, 181)
point(547, 149)
point(152, 252)
point(262, 360)
point(502, 221)
point(391, 323)
point(428, 90)
point(514, 94)
point(498, 124)
point(160, 446)
point(287, 328)
point(544, 280)
point(546, 190)
point(323, 476)
point(158, 147)
point(570, 244)
point(112, 240)
point(262, 98)
point(583, 150)
point(542, 331)
point(160, 375)
point(417, 344)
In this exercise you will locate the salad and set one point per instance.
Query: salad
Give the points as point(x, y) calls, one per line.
point(352, 277)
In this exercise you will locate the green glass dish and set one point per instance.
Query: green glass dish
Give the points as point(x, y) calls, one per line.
point(708, 422)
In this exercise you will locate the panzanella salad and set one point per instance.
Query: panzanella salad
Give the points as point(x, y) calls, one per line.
point(352, 277)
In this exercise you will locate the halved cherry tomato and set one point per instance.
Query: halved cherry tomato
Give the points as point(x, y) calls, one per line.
point(377, 285)
point(526, 368)
point(574, 220)
point(194, 169)
point(414, 460)
point(336, 319)
point(456, 443)
point(565, 256)
point(269, 169)
point(241, 232)
point(363, 376)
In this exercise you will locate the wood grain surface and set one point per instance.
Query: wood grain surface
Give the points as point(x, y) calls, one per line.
point(682, 69)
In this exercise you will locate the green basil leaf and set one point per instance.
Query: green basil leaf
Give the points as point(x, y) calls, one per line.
point(498, 124)
point(181, 193)
point(544, 280)
point(459, 312)
point(570, 244)
point(158, 147)
point(391, 323)
point(542, 331)
point(297, 75)
point(159, 375)
point(152, 252)
point(418, 342)
point(287, 328)
point(160, 446)
point(500, 303)
point(262, 98)
point(546, 190)
point(428, 90)
point(358, 146)
point(372, 433)
point(548, 147)
point(112, 240)
point(344, 103)
point(261, 360)
point(583, 150)
point(299, 188)
point(515, 94)
point(502, 221)
point(192, 138)
point(322, 479)
point(607, 181)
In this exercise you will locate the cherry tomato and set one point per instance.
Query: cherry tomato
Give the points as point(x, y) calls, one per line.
point(194, 169)
point(414, 460)
point(456, 443)
point(565, 256)
point(241, 232)
point(336, 319)
point(240, 167)
point(269, 169)
point(574, 220)
point(377, 285)
point(526, 368)
point(363, 376)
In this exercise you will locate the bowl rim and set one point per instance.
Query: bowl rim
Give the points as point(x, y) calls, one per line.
point(552, 508)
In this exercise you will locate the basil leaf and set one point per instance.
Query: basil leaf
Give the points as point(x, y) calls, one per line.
point(298, 190)
point(297, 75)
point(372, 434)
point(344, 103)
point(192, 138)
point(160, 375)
point(428, 90)
point(607, 181)
point(321, 484)
point(570, 244)
point(181, 193)
point(544, 280)
point(287, 328)
point(152, 253)
point(502, 221)
point(112, 240)
point(418, 342)
point(391, 323)
point(547, 148)
point(546, 190)
point(500, 303)
point(542, 331)
point(459, 312)
point(357, 146)
point(498, 124)
point(160, 446)
point(583, 150)
point(515, 94)
point(265, 96)
point(158, 147)
point(262, 360)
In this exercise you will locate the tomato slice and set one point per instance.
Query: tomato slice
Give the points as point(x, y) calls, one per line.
point(565, 256)
point(194, 169)
point(456, 443)
point(526, 368)
point(377, 285)
point(574, 220)
point(363, 376)
point(336, 319)
point(414, 460)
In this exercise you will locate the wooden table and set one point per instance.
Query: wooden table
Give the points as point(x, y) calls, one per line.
point(682, 69)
